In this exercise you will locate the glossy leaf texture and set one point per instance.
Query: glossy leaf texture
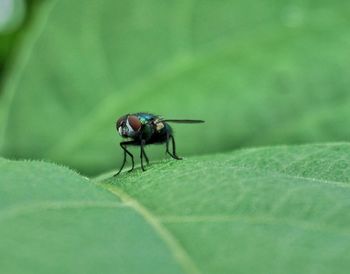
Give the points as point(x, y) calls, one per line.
point(259, 73)
point(269, 210)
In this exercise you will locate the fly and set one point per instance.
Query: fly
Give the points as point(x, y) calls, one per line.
point(144, 129)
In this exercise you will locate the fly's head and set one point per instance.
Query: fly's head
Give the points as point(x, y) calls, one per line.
point(128, 126)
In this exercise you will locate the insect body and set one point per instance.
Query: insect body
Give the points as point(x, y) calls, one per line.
point(143, 129)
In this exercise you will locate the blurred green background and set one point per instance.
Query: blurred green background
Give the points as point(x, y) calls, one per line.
point(15, 17)
point(259, 72)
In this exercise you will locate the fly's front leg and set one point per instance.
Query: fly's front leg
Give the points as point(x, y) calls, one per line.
point(123, 145)
point(123, 164)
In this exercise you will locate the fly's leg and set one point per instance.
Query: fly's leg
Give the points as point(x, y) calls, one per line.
point(123, 146)
point(123, 164)
point(174, 148)
point(143, 153)
point(173, 155)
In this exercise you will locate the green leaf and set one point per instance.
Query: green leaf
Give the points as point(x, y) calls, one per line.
point(268, 210)
point(259, 72)
point(54, 221)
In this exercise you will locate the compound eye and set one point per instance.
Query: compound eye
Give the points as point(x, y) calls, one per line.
point(120, 121)
point(134, 122)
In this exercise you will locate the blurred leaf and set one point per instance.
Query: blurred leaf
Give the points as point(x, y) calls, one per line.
point(12, 13)
point(55, 221)
point(5, 42)
point(271, 210)
point(259, 72)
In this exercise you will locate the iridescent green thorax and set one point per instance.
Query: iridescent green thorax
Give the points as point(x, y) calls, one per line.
point(152, 126)
point(146, 118)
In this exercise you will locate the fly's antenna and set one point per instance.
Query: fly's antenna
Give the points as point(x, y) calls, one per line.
point(183, 121)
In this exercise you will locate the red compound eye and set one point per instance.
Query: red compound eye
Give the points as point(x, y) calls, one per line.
point(134, 122)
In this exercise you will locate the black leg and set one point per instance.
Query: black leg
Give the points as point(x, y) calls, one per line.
point(174, 148)
point(144, 154)
point(123, 164)
point(123, 146)
point(173, 155)
point(167, 143)
point(142, 143)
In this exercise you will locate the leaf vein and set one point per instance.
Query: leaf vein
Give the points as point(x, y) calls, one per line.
point(268, 220)
point(179, 253)
point(19, 210)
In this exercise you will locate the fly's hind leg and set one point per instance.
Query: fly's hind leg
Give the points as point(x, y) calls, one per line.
point(173, 155)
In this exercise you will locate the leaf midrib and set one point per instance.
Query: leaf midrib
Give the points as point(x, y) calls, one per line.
point(178, 252)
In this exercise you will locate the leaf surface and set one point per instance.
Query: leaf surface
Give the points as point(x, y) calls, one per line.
point(267, 210)
point(257, 72)
point(52, 220)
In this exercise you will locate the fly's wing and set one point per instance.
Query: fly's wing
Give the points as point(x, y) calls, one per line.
point(182, 121)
